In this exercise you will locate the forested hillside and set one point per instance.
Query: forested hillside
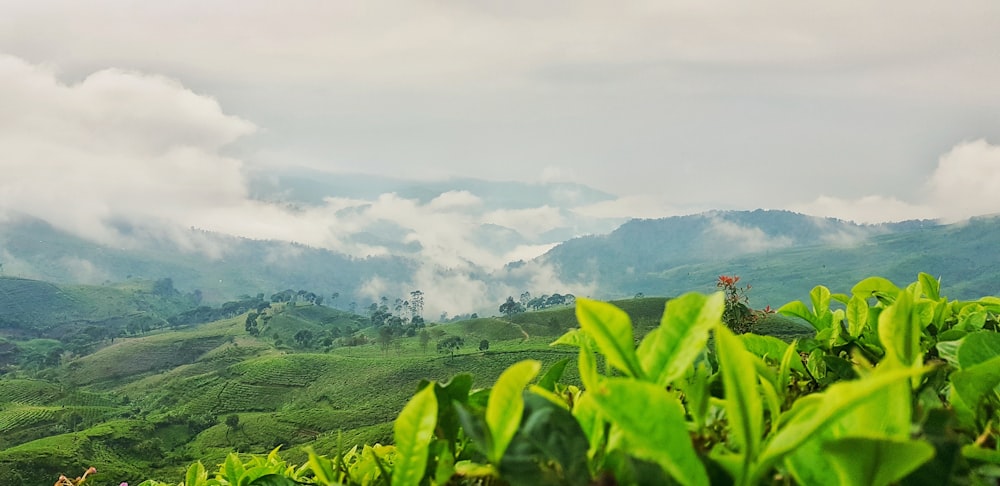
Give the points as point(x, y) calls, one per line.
point(781, 253)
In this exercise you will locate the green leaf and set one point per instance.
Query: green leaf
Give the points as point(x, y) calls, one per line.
point(991, 303)
point(652, 424)
point(549, 448)
point(233, 468)
point(770, 395)
point(551, 377)
point(456, 390)
point(611, 329)
point(899, 330)
point(978, 347)
point(874, 287)
point(807, 417)
point(798, 309)
point(948, 351)
point(770, 348)
point(972, 321)
point(743, 405)
point(587, 414)
point(413, 431)
point(857, 316)
point(322, 468)
point(697, 394)
point(820, 297)
point(587, 366)
point(572, 337)
point(196, 475)
point(972, 384)
point(874, 461)
point(789, 361)
point(445, 467)
point(817, 365)
point(506, 404)
point(273, 480)
point(670, 350)
point(931, 286)
point(976, 453)
point(471, 469)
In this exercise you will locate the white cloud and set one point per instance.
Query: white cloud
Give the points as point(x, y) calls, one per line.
point(966, 181)
point(635, 206)
point(531, 222)
point(746, 239)
point(528, 252)
point(868, 209)
point(454, 200)
point(117, 147)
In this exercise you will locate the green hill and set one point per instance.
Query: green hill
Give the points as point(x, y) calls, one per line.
point(32, 307)
point(147, 405)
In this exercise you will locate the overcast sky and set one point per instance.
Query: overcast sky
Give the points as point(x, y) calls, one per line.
point(869, 111)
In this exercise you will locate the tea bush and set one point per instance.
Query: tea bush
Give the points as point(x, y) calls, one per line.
point(898, 386)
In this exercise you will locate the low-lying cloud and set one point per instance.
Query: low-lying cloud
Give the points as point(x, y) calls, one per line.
point(744, 239)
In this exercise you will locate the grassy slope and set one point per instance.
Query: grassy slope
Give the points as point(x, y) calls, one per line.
point(36, 308)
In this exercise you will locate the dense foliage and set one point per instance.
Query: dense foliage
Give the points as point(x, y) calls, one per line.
point(899, 385)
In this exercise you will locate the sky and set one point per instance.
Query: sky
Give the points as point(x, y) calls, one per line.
point(116, 112)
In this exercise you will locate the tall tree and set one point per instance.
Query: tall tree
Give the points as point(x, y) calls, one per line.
point(511, 307)
point(425, 338)
point(525, 298)
point(417, 306)
point(385, 338)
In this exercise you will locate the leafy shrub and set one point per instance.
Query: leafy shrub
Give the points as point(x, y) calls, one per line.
point(738, 315)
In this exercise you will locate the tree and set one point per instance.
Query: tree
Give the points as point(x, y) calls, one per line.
point(378, 314)
point(417, 307)
point(525, 298)
point(555, 299)
point(251, 324)
point(164, 287)
point(232, 424)
point(425, 338)
point(484, 345)
point(303, 337)
point(511, 307)
point(450, 344)
point(385, 338)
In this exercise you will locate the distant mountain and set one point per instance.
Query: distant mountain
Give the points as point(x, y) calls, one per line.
point(778, 252)
point(311, 187)
point(34, 249)
point(781, 254)
point(654, 245)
